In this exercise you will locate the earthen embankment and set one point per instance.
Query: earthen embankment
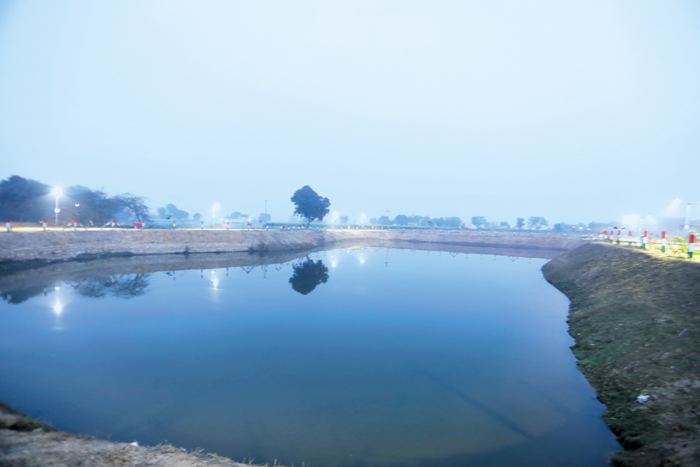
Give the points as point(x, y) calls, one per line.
point(635, 318)
point(54, 246)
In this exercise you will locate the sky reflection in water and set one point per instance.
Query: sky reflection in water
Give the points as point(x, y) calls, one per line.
point(366, 358)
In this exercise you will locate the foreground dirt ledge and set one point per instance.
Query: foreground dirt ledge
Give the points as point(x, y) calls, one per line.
point(636, 322)
point(26, 442)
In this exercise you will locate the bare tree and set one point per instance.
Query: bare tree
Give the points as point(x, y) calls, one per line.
point(136, 206)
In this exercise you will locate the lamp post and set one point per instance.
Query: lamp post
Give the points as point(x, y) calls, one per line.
point(214, 209)
point(686, 226)
point(57, 193)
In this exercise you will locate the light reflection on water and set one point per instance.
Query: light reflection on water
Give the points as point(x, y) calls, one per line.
point(346, 358)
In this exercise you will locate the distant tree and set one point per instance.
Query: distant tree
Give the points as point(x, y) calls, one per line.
point(600, 226)
point(560, 227)
point(343, 219)
point(401, 220)
point(308, 275)
point(174, 213)
point(135, 205)
point(520, 223)
point(197, 217)
point(309, 205)
point(504, 225)
point(264, 217)
point(162, 213)
point(91, 206)
point(422, 220)
point(452, 222)
point(537, 222)
point(25, 200)
point(479, 221)
point(384, 220)
point(237, 215)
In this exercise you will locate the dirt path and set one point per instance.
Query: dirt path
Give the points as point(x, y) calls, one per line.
point(636, 321)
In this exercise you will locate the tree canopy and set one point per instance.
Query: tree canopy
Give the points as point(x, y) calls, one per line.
point(309, 205)
point(25, 200)
point(136, 206)
point(170, 211)
point(537, 222)
point(479, 221)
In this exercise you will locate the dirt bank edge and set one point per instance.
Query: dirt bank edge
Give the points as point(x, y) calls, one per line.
point(636, 322)
point(53, 246)
point(25, 442)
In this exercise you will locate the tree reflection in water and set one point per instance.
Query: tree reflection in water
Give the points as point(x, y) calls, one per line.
point(308, 275)
point(124, 286)
point(16, 297)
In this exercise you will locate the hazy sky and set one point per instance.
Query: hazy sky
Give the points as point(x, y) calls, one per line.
point(571, 110)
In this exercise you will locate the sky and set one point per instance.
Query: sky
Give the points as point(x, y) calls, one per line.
point(574, 111)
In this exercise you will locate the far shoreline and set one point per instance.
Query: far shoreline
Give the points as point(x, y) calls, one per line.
point(20, 249)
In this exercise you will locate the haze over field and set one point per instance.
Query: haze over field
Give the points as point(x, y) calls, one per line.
point(571, 111)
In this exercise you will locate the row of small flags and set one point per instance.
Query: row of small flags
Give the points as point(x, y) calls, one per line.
point(611, 237)
point(74, 223)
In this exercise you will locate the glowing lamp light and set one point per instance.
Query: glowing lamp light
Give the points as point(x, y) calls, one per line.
point(215, 208)
point(58, 308)
point(57, 192)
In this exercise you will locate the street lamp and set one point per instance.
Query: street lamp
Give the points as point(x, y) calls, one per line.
point(57, 192)
point(686, 226)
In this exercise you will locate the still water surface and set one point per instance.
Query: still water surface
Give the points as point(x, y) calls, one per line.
point(366, 358)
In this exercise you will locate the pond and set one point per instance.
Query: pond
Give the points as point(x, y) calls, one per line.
point(364, 357)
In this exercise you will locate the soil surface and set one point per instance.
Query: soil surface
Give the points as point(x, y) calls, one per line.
point(24, 442)
point(51, 246)
point(636, 321)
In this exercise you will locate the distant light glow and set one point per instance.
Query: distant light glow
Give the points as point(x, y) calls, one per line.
point(58, 308)
point(215, 208)
point(333, 264)
point(57, 192)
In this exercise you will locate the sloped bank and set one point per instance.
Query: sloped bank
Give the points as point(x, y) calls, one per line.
point(55, 246)
point(24, 442)
point(636, 322)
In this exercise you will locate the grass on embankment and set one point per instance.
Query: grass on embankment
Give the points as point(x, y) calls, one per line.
point(636, 321)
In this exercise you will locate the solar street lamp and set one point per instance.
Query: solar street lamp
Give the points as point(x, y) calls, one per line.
point(57, 192)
